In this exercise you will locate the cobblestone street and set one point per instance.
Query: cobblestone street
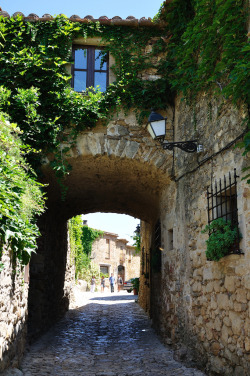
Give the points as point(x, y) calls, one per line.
point(109, 335)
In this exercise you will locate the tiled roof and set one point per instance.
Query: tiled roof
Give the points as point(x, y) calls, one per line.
point(129, 21)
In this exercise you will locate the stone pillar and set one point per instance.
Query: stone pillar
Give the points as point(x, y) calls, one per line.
point(47, 302)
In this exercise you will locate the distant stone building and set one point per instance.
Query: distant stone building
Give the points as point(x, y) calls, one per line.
point(114, 255)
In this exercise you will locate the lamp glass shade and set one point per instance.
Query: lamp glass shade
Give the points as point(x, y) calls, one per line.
point(157, 129)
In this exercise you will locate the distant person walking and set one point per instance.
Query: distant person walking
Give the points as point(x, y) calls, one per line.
point(92, 284)
point(102, 284)
point(112, 282)
point(119, 282)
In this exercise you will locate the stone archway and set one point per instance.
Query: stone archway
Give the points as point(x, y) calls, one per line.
point(114, 169)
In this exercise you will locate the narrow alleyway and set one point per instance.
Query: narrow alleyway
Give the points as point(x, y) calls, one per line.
point(109, 335)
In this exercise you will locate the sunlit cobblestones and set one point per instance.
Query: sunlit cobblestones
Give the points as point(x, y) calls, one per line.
point(108, 336)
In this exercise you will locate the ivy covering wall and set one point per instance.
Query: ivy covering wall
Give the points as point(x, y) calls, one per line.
point(21, 199)
point(81, 240)
point(207, 52)
point(197, 46)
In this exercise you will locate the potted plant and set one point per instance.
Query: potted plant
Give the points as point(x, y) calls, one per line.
point(136, 285)
point(222, 236)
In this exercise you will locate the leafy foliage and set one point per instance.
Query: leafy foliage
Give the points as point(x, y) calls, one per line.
point(21, 199)
point(208, 52)
point(88, 237)
point(33, 57)
point(206, 49)
point(222, 237)
point(202, 48)
point(81, 240)
point(136, 283)
point(137, 241)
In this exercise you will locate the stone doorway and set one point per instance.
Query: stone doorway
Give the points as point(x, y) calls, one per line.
point(121, 272)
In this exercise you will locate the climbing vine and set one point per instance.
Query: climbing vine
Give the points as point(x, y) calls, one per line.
point(81, 240)
point(197, 46)
point(207, 51)
point(33, 57)
point(21, 199)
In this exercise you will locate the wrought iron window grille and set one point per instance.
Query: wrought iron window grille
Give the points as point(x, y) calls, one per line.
point(222, 203)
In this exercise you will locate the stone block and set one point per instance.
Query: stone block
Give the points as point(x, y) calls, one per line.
point(223, 301)
point(247, 344)
point(237, 323)
point(217, 365)
point(224, 335)
point(213, 304)
point(230, 283)
point(237, 307)
point(217, 323)
point(246, 281)
point(241, 296)
point(215, 348)
point(207, 274)
point(217, 286)
point(209, 287)
point(196, 287)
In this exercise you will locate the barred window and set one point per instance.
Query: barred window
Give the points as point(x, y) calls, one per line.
point(222, 203)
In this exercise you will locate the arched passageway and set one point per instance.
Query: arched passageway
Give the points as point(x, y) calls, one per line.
point(109, 174)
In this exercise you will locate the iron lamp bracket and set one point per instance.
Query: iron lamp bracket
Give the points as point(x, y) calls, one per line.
point(187, 146)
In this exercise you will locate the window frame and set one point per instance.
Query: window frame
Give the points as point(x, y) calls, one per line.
point(222, 203)
point(90, 69)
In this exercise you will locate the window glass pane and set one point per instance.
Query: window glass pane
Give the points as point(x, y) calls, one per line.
point(80, 81)
point(98, 61)
point(81, 58)
point(101, 80)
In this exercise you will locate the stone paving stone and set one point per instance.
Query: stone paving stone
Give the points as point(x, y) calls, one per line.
point(109, 335)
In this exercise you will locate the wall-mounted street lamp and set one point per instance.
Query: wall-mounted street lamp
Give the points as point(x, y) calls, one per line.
point(156, 126)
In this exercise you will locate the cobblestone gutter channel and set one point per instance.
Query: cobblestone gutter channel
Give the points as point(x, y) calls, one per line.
point(107, 335)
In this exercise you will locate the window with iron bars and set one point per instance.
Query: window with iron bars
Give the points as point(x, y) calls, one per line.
point(222, 203)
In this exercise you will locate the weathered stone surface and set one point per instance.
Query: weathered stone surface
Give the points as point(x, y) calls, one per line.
point(13, 312)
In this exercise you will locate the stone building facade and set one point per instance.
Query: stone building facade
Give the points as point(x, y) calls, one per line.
point(202, 307)
point(114, 255)
point(14, 283)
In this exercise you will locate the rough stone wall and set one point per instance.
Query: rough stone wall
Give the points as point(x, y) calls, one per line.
point(205, 310)
point(104, 253)
point(145, 275)
point(132, 268)
point(13, 312)
point(69, 281)
point(47, 299)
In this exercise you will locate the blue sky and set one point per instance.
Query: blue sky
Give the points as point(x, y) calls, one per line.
point(121, 224)
point(96, 8)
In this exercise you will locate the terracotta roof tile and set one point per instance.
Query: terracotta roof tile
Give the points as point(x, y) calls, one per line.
point(16, 13)
point(129, 21)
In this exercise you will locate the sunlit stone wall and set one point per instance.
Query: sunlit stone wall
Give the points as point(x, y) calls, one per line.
point(204, 305)
point(13, 311)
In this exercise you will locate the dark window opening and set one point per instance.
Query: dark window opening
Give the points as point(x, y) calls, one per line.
point(170, 239)
point(90, 68)
point(104, 269)
point(222, 203)
point(156, 249)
